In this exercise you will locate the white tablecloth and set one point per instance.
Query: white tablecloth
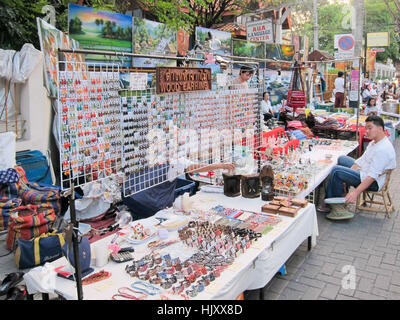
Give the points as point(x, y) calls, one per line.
point(318, 153)
point(251, 270)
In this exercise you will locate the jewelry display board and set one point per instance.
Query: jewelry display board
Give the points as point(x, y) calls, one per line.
point(89, 115)
point(149, 138)
point(163, 134)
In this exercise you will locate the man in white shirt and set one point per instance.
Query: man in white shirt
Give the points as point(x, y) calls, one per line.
point(367, 172)
point(240, 82)
point(339, 90)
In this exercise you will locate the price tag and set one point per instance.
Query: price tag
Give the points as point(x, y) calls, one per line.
point(138, 81)
point(221, 79)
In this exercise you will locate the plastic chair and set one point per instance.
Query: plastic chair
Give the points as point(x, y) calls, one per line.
point(368, 198)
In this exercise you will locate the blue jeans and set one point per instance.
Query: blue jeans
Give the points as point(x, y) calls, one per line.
point(342, 173)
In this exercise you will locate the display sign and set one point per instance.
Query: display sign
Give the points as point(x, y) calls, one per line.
point(182, 79)
point(260, 31)
point(371, 57)
point(377, 49)
point(138, 81)
point(378, 39)
point(344, 43)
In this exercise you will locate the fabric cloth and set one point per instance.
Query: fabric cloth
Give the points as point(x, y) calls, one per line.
point(153, 197)
point(339, 85)
point(377, 158)
point(9, 176)
point(342, 173)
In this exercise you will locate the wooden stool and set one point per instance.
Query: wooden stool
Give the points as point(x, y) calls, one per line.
point(368, 198)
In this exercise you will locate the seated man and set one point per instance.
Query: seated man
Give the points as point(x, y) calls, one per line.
point(365, 173)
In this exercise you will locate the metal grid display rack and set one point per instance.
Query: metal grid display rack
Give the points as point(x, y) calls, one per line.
point(89, 116)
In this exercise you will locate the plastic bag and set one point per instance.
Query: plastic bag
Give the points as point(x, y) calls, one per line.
point(7, 150)
point(25, 62)
point(6, 63)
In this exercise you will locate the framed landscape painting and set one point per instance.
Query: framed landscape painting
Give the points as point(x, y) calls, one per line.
point(101, 30)
point(153, 38)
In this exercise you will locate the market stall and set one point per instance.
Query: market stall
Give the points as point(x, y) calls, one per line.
point(252, 267)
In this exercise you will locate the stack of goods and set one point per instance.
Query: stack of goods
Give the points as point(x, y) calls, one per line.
point(215, 248)
point(284, 206)
point(27, 210)
point(259, 223)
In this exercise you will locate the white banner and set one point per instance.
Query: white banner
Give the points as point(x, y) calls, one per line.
point(260, 31)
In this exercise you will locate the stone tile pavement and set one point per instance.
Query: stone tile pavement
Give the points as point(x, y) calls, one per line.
point(367, 246)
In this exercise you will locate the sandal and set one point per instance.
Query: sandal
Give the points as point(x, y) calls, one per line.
point(17, 293)
point(10, 281)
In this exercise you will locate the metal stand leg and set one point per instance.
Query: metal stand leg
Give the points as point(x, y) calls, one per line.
point(261, 293)
point(75, 243)
point(309, 246)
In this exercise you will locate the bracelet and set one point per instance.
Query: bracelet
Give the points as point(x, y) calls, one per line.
point(153, 290)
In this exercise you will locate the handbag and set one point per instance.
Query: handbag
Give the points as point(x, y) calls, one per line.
point(29, 221)
point(296, 97)
point(35, 252)
point(6, 205)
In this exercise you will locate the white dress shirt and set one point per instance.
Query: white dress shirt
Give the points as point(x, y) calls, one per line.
point(339, 85)
point(377, 158)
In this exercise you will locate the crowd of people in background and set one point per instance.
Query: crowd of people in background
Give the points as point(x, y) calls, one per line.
point(374, 94)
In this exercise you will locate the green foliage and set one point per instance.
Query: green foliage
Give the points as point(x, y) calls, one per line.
point(331, 16)
point(18, 21)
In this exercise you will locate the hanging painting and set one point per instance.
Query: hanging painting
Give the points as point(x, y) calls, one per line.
point(101, 30)
point(153, 38)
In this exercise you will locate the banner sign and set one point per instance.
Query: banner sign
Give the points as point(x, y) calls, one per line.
point(344, 43)
point(260, 31)
point(378, 39)
point(182, 79)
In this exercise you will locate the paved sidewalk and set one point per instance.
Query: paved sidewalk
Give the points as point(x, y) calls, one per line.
point(369, 244)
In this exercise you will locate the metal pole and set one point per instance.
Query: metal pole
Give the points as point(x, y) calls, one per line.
point(75, 243)
point(358, 100)
point(127, 54)
point(315, 28)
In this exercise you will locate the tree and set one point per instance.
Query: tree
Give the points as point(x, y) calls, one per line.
point(394, 10)
point(18, 23)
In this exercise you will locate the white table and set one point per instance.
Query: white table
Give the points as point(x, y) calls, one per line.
point(318, 153)
point(251, 270)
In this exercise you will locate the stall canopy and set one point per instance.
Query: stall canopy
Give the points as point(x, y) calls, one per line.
point(320, 55)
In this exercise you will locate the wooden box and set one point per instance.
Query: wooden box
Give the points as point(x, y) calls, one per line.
point(269, 208)
point(289, 212)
